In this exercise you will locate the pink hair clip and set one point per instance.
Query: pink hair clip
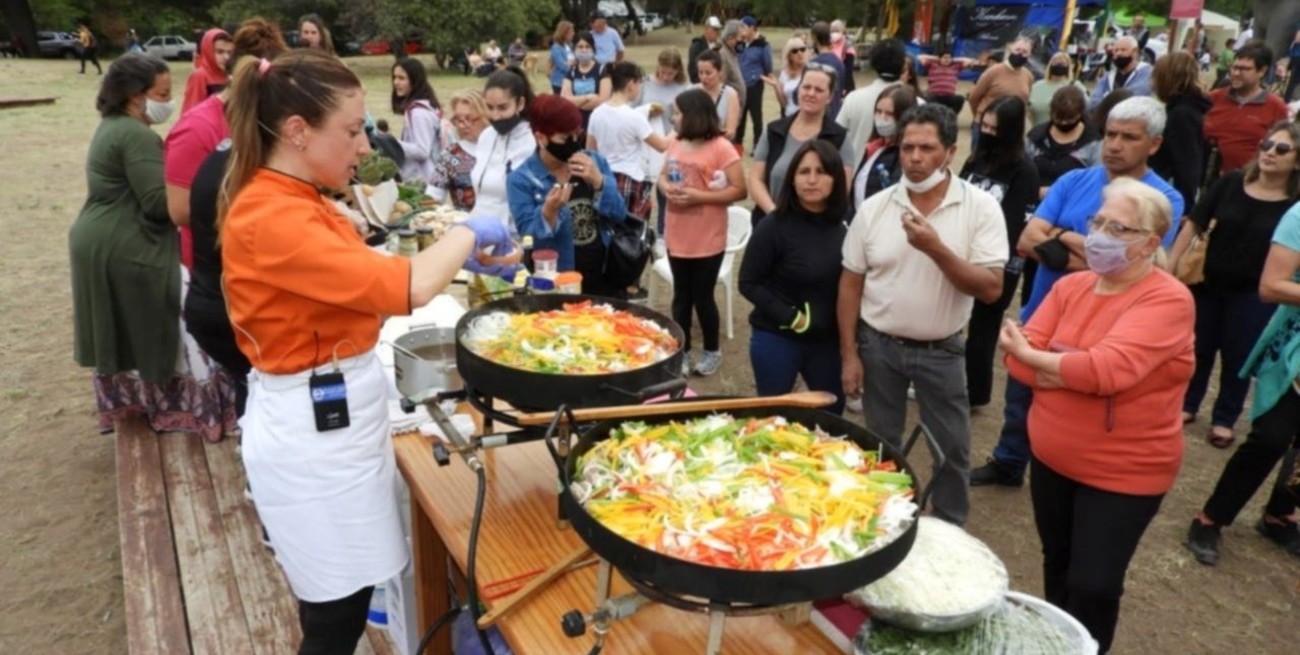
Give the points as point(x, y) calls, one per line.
point(263, 65)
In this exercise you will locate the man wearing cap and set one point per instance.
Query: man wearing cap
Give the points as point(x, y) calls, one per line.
point(699, 44)
point(609, 45)
point(755, 62)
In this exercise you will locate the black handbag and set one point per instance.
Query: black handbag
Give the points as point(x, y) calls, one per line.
point(629, 249)
point(1052, 253)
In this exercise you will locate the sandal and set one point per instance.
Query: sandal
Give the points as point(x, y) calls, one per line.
point(1219, 439)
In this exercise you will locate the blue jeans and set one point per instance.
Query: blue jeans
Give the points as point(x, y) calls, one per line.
point(1012, 451)
point(777, 359)
point(1227, 323)
point(938, 372)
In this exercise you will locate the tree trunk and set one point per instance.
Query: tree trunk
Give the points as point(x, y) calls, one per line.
point(22, 26)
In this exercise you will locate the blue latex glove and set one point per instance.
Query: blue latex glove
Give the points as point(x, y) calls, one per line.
point(488, 231)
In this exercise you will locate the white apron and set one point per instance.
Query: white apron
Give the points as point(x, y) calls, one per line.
point(328, 499)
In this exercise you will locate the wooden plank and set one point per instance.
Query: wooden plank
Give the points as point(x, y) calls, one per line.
point(269, 605)
point(212, 604)
point(155, 614)
point(10, 102)
point(432, 597)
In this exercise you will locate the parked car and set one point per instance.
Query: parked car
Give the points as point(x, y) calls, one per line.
point(57, 44)
point(382, 47)
point(170, 47)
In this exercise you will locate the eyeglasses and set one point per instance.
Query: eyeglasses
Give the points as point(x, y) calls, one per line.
point(1280, 148)
point(797, 50)
point(1099, 224)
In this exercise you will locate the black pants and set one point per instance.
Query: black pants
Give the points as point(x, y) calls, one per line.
point(982, 342)
point(333, 627)
point(953, 102)
point(753, 109)
point(1027, 280)
point(693, 281)
point(1271, 437)
point(209, 324)
point(1088, 537)
point(91, 55)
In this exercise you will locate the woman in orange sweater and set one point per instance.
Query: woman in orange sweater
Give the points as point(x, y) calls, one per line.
point(1109, 355)
point(306, 299)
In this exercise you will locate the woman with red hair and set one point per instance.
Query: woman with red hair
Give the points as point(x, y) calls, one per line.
point(565, 197)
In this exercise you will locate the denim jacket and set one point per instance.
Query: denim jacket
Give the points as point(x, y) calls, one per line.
point(526, 190)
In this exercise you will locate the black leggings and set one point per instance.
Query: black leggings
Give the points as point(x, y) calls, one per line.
point(693, 281)
point(333, 627)
point(982, 342)
point(90, 54)
point(1088, 536)
point(1273, 437)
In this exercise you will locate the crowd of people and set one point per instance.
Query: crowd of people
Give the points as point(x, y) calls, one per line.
point(269, 300)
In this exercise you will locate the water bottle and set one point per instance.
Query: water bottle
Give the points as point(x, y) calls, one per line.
point(378, 615)
point(674, 171)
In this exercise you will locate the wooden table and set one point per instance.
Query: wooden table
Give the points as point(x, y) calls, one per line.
point(519, 535)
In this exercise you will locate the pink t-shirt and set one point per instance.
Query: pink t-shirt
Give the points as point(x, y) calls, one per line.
point(190, 141)
point(698, 230)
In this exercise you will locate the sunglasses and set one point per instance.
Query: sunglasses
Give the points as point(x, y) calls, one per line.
point(1280, 148)
point(803, 49)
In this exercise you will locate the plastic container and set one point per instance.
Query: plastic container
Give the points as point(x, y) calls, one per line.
point(546, 263)
point(541, 285)
point(568, 282)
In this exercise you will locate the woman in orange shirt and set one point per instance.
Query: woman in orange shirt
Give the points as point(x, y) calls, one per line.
point(1109, 356)
point(307, 298)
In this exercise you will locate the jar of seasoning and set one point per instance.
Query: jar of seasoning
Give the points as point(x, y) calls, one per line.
point(424, 235)
point(407, 245)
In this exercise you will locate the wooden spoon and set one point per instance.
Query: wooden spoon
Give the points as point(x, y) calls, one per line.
point(805, 399)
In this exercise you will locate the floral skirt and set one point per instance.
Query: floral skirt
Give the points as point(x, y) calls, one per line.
point(199, 398)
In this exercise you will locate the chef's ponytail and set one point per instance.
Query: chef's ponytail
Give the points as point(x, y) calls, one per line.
point(263, 94)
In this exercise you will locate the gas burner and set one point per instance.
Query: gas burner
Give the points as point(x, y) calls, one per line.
point(609, 610)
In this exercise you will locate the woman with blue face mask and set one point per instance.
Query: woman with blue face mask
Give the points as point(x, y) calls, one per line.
point(587, 85)
point(1109, 355)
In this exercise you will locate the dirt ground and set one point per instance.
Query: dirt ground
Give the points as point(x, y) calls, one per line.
point(59, 559)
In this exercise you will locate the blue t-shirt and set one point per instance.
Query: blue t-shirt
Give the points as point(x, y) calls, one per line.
point(1074, 199)
point(608, 45)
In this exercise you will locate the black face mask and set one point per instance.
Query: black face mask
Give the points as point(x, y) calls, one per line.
point(1122, 62)
point(565, 149)
point(1066, 127)
point(1058, 69)
point(505, 125)
point(1017, 60)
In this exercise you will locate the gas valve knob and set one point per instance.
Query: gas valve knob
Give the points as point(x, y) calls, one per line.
point(574, 624)
point(440, 454)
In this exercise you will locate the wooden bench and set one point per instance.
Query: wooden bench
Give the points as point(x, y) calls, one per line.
point(11, 102)
point(198, 579)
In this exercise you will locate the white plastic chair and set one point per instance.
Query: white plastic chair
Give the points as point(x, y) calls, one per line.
point(739, 228)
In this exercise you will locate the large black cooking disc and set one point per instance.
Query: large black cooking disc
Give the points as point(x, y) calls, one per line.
point(545, 391)
point(677, 576)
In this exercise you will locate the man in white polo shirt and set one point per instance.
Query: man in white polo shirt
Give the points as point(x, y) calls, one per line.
point(916, 257)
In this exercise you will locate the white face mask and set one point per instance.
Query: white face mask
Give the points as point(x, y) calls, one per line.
point(936, 178)
point(886, 127)
point(157, 112)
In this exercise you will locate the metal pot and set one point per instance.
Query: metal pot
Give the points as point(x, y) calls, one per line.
point(425, 360)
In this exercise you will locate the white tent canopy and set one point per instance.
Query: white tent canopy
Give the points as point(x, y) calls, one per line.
point(1218, 28)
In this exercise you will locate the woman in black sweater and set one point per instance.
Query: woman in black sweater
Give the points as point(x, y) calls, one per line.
point(1181, 157)
point(1000, 166)
point(791, 273)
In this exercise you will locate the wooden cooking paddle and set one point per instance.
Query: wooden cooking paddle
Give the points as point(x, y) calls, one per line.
point(805, 399)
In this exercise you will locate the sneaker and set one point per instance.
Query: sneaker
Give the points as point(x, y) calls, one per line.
point(638, 294)
point(709, 362)
point(1203, 541)
point(1286, 535)
point(853, 404)
point(993, 473)
point(686, 364)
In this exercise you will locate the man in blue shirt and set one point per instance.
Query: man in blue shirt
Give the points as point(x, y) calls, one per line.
point(1055, 236)
point(821, 38)
point(609, 45)
point(755, 62)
